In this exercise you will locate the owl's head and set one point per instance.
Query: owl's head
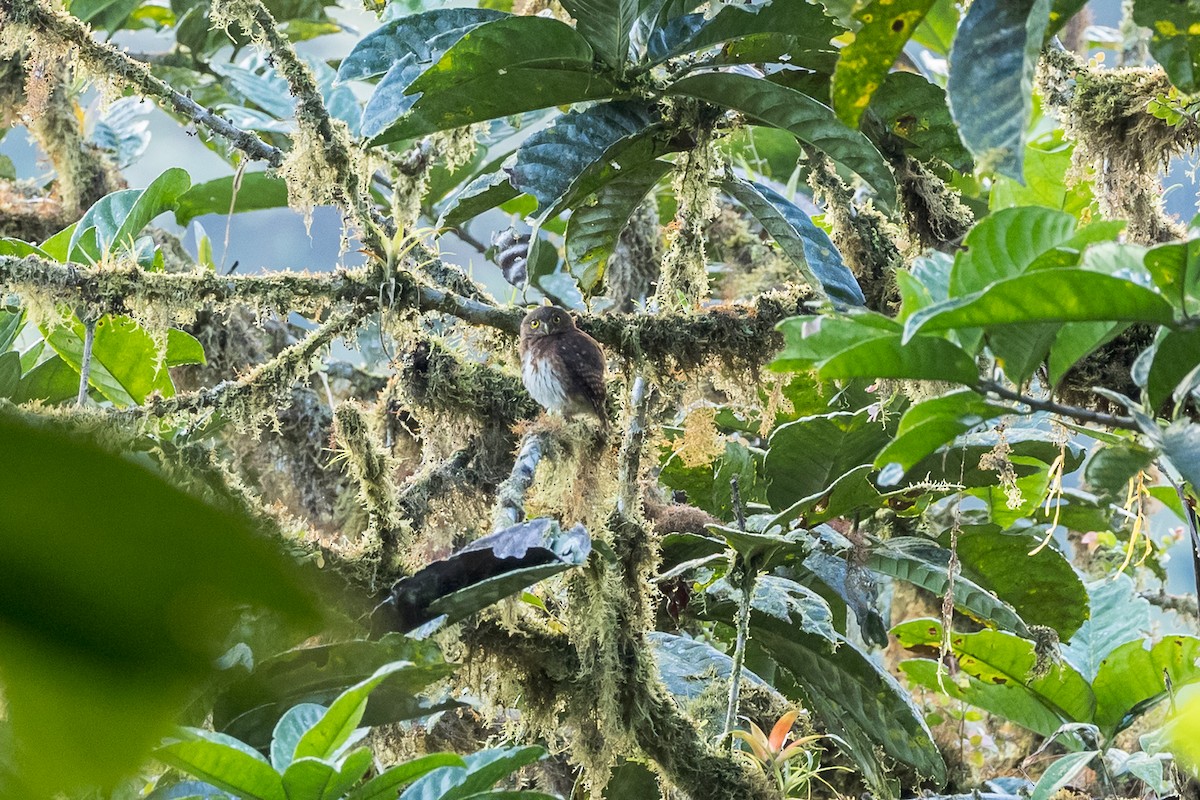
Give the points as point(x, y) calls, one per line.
point(545, 321)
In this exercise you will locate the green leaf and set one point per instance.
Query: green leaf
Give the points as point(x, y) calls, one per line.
point(806, 245)
point(1176, 354)
point(331, 732)
point(1174, 42)
point(920, 358)
point(915, 110)
point(227, 767)
point(386, 784)
point(1118, 614)
point(482, 194)
point(1004, 664)
point(582, 151)
point(53, 381)
point(992, 63)
point(497, 69)
point(855, 698)
point(1175, 268)
point(936, 31)
point(258, 190)
point(1058, 295)
point(689, 666)
point(606, 25)
point(10, 373)
point(1181, 444)
point(928, 425)
point(483, 769)
point(1060, 773)
point(108, 625)
point(808, 120)
point(117, 218)
point(1112, 466)
point(422, 37)
point(1135, 676)
point(847, 494)
point(1005, 243)
point(707, 485)
point(804, 30)
point(594, 228)
point(288, 731)
point(109, 15)
point(923, 563)
point(124, 359)
point(1042, 588)
point(1046, 169)
point(1075, 341)
point(865, 62)
point(806, 456)
point(311, 778)
point(251, 707)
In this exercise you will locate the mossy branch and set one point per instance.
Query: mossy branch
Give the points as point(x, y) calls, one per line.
point(54, 28)
point(510, 498)
point(742, 333)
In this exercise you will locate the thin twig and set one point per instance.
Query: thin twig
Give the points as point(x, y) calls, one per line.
point(85, 366)
point(748, 578)
point(1074, 412)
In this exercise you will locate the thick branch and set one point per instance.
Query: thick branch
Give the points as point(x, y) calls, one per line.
point(510, 498)
point(105, 62)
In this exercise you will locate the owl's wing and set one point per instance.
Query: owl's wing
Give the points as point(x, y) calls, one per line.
point(584, 360)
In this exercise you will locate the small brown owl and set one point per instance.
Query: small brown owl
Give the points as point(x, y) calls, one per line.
point(562, 367)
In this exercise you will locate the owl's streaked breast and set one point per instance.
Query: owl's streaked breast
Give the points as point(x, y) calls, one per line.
point(543, 385)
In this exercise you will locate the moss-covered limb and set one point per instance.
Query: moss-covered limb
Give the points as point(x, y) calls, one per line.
point(1180, 603)
point(46, 25)
point(932, 211)
point(371, 467)
point(860, 232)
point(1106, 112)
point(437, 378)
point(351, 184)
point(253, 398)
point(510, 497)
point(416, 498)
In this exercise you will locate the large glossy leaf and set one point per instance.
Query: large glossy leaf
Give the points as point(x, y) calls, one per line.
point(1176, 354)
point(53, 381)
point(689, 666)
point(10, 373)
point(594, 228)
point(991, 78)
point(865, 62)
point(324, 738)
point(310, 778)
point(1181, 444)
point(1005, 243)
point(775, 598)
point(1053, 295)
point(117, 218)
point(582, 151)
point(854, 697)
point(250, 708)
point(1173, 40)
point(485, 571)
point(1043, 588)
point(125, 364)
point(928, 425)
point(107, 623)
point(1060, 773)
point(1118, 615)
point(606, 24)
point(224, 763)
point(421, 37)
point(804, 30)
point(923, 563)
point(707, 486)
point(255, 191)
point(1005, 663)
point(482, 194)
point(1136, 675)
point(806, 245)
point(806, 456)
point(1112, 466)
point(483, 769)
point(290, 729)
point(958, 462)
point(497, 69)
point(808, 120)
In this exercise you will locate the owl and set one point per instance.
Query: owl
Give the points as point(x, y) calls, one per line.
point(561, 366)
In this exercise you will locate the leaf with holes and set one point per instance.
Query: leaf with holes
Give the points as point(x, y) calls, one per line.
point(864, 63)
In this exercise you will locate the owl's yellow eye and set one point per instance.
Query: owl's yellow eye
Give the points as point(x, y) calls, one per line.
point(534, 324)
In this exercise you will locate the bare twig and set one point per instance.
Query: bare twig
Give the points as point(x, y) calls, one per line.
point(1038, 404)
point(85, 366)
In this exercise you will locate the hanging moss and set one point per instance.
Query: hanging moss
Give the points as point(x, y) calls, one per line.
point(933, 212)
point(1105, 112)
